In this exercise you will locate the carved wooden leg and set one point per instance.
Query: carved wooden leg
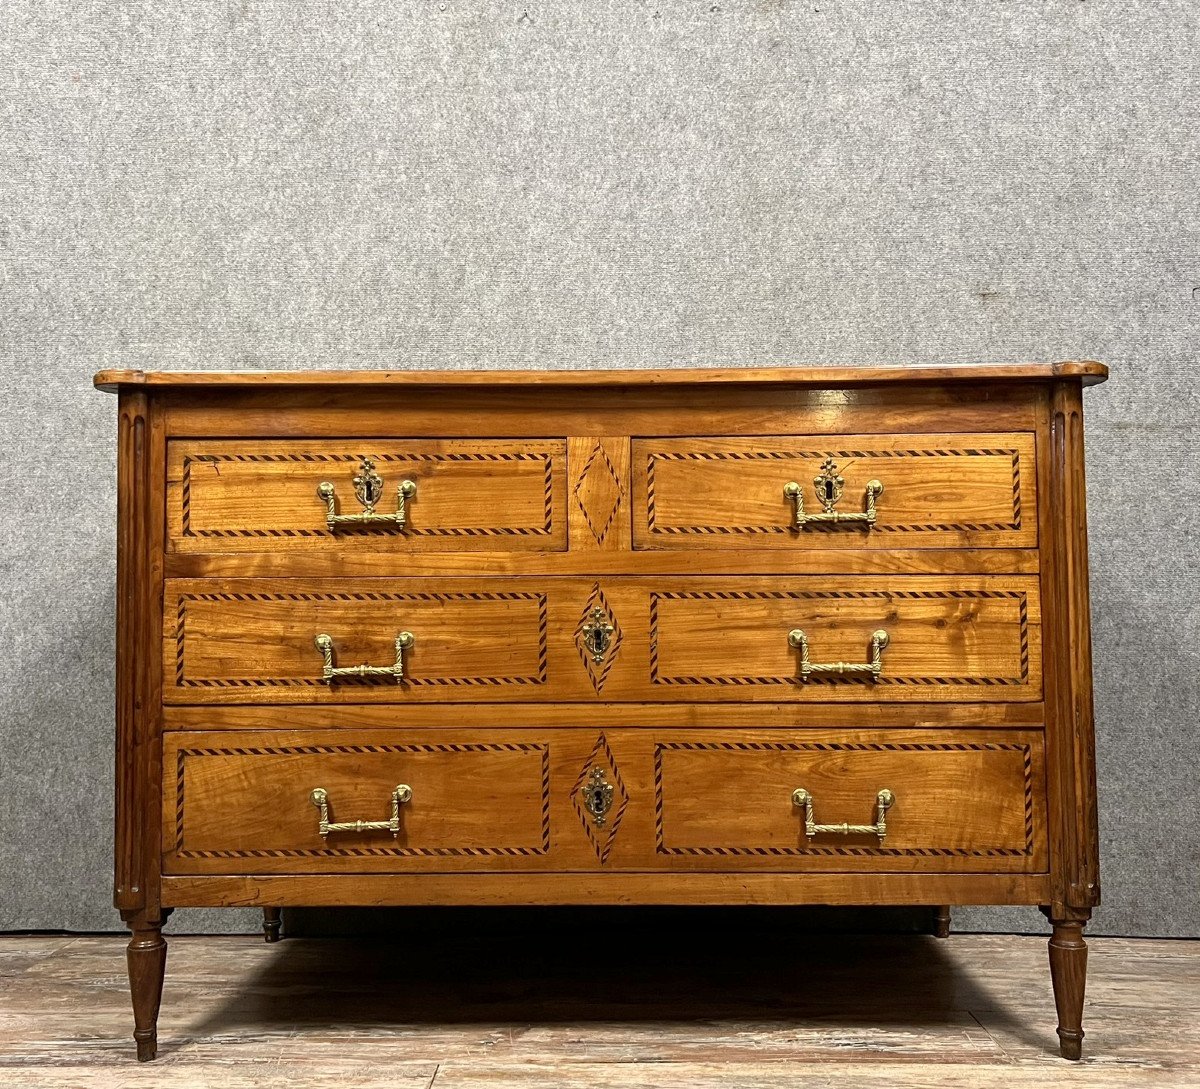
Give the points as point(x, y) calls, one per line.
point(941, 921)
point(272, 922)
point(147, 958)
point(1068, 972)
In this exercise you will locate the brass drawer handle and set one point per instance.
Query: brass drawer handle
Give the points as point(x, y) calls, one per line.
point(320, 798)
point(874, 667)
point(828, 486)
point(368, 488)
point(883, 802)
point(330, 672)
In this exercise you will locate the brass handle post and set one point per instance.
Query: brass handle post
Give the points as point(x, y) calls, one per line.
point(320, 798)
point(883, 802)
point(330, 672)
point(874, 667)
point(368, 488)
point(828, 485)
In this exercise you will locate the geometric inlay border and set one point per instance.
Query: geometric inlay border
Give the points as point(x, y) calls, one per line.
point(353, 459)
point(539, 677)
point(820, 746)
point(839, 455)
point(599, 532)
point(368, 851)
point(1019, 596)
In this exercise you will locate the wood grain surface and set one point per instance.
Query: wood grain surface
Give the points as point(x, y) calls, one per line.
point(509, 799)
point(1086, 370)
point(939, 491)
point(600, 999)
point(961, 639)
point(470, 495)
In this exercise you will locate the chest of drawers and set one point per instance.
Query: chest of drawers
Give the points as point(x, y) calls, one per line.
point(809, 636)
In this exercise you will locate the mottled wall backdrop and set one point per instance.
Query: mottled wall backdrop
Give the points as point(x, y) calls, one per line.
point(297, 183)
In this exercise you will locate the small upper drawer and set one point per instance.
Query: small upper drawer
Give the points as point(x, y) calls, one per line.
point(417, 495)
point(845, 491)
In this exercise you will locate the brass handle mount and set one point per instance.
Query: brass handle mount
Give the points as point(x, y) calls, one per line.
point(330, 672)
point(828, 486)
point(368, 488)
point(879, 640)
point(884, 801)
point(320, 798)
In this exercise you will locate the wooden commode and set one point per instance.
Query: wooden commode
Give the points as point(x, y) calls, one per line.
point(804, 636)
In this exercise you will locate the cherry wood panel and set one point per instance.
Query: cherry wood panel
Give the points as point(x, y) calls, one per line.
point(486, 800)
point(480, 800)
point(470, 495)
point(963, 800)
point(520, 412)
point(617, 887)
point(599, 512)
point(604, 562)
point(630, 715)
point(962, 639)
point(253, 640)
point(941, 491)
point(1088, 371)
point(1075, 829)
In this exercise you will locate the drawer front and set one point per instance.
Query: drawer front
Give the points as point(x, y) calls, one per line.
point(796, 639)
point(242, 802)
point(959, 801)
point(464, 640)
point(938, 491)
point(959, 639)
point(571, 798)
point(256, 496)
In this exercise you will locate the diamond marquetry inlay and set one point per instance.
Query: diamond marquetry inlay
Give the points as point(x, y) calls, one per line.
point(600, 835)
point(599, 492)
point(596, 610)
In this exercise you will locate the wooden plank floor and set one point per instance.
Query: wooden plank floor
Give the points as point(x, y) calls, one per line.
point(671, 1012)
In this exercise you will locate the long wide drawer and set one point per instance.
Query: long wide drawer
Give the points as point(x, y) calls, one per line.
point(574, 798)
point(844, 491)
point(374, 494)
point(867, 639)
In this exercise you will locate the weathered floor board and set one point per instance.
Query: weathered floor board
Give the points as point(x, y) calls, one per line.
point(465, 1013)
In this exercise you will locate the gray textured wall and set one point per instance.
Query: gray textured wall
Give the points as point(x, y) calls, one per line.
point(300, 183)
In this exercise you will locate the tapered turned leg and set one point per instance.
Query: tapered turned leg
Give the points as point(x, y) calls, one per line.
point(272, 922)
point(1068, 972)
point(941, 921)
point(147, 958)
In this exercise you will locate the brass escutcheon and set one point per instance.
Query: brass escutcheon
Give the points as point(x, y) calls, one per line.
point(597, 796)
point(368, 489)
point(828, 485)
point(597, 635)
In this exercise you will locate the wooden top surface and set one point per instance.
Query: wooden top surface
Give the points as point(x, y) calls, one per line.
point(1090, 373)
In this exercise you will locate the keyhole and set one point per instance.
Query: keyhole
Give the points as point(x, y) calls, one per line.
point(829, 489)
